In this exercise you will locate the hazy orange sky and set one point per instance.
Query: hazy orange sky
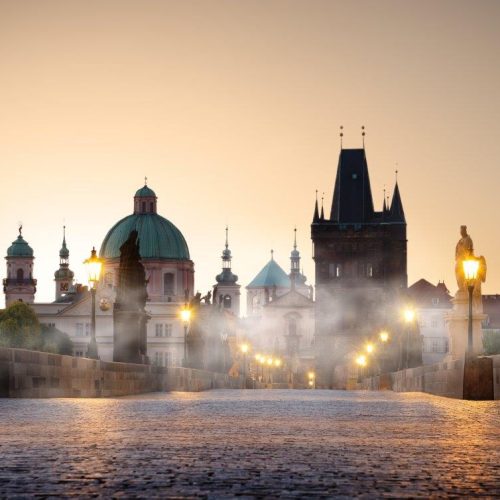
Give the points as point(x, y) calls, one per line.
point(232, 110)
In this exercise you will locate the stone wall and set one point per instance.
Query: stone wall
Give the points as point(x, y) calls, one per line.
point(442, 379)
point(32, 374)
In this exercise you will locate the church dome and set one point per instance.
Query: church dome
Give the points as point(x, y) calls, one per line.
point(158, 237)
point(20, 248)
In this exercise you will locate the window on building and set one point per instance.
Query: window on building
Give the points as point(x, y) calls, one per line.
point(151, 205)
point(143, 206)
point(369, 271)
point(435, 347)
point(434, 323)
point(168, 284)
point(292, 327)
point(159, 359)
point(169, 359)
point(87, 329)
point(108, 279)
point(227, 302)
point(435, 301)
point(79, 329)
point(20, 274)
point(158, 330)
point(168, 330)
point(79, 354)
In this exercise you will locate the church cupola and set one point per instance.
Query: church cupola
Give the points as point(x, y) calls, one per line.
point(19, 284)
point(145, 200)
point(64, 275)
point(227, 291)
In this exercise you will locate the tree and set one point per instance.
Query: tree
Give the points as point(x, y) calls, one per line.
point(19, 327)
point(53, 340)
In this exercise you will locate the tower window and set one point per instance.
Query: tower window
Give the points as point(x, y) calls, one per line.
point(143, 206)
point(168, 284)
point(369, 271)
point(227, 302)
point(20, 274)
point(151, 205)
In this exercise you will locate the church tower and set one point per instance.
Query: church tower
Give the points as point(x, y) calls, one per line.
point(227, 291)
point(297, 279)
point(19, 284)
point(360, 264)
point(64, 275)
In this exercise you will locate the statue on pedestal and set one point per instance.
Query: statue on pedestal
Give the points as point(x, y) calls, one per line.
point(129, 315)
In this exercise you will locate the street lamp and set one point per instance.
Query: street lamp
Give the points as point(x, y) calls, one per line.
point(384, 336)
point(185, 316)
point(312, 379)
point(471, 267)
point(93, 265)
point(369, 348)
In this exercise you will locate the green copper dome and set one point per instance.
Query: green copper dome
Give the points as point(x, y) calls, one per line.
point(145, 192)
point(20, 248)
point(158, 238)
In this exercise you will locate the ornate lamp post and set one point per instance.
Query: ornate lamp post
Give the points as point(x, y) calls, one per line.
point(185, 316)
point(93, 265)
point(471, 267)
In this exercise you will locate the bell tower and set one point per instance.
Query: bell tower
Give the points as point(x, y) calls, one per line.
point(19, 284)
point(64, 275)
point(227, 291)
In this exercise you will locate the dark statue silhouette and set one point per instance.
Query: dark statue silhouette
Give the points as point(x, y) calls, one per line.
point(129, 315)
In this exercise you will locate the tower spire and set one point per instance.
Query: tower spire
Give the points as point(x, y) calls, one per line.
point(341, 135)
point(227, 240)
point(363, 135)
point(316, 210)
point(295, 238)
point(322, 216)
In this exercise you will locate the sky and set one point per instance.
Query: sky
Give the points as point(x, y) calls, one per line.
point(232, 110)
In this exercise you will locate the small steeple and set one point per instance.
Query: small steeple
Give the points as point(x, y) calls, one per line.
point(316, 210)
point(396, 212)
point(322, 216)
point(226, 276)
point(64, 252)
point(64, 275)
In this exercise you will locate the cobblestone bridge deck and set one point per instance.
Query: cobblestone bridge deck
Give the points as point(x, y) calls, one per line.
point(257, 443)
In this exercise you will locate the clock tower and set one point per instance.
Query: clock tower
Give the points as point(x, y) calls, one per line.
point(64, 275)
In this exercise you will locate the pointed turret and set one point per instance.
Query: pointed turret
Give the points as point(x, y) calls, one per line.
point(396, 213)
point(352, 196)
point(322, 215)
point(316, 210)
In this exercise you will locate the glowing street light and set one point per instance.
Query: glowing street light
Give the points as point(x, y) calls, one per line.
point(409, 315)
point(312, 379)
point(471, 268)
point(277, 362)
point(361, 360)
point(93, 265)
point(384, 336)
point(369, 348)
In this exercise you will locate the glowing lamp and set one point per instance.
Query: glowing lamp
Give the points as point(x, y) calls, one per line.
point(409, 315)
point(361, 360)
point(310, 375)
point(384, 336)
point(244, 348)
point(277, 362)
point(369, 348)
point(186, 314)
point(93, 266)
point(269, 361)
point(471, 267)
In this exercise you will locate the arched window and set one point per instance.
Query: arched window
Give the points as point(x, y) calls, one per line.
point(292, 326)
point(227, 302)
point(168, 284)
point(151, 205)
point(20, 274)
point(144, 206)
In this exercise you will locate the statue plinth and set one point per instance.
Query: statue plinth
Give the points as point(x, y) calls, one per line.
point(458, 326)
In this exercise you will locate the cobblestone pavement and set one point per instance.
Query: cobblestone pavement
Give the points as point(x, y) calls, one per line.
point(222, 444)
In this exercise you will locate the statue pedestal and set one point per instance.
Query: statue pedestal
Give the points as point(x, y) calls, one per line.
point(458, 325)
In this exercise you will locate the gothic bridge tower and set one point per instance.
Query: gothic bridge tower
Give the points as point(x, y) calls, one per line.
point(360, 265)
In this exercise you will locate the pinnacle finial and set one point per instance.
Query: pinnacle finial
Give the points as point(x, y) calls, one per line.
point(396, 172)
point(145, 181)
point(20, 229)
point(227, 240)
point(272, 254)
point(363, 135)
point(341, 135)
point(295, 238)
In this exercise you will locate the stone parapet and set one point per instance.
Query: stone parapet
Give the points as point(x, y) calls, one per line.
point(32, 374)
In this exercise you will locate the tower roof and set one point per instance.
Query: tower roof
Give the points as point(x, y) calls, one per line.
point(396, 212)
point(145, 192)
point(270, 275)
point(64, 252)
point(352, 196)
point(20, 247)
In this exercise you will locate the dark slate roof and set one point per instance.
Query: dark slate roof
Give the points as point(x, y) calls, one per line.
point(396, 212)
point(427, 295)
point(352, 196)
